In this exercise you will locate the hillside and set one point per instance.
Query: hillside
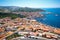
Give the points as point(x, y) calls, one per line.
point(13, 16)
point(19, 9)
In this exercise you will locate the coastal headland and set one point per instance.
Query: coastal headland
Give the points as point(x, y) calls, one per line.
point(16, 22)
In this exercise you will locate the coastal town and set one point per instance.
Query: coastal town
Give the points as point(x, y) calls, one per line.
point(29, 19)
point(26, 29)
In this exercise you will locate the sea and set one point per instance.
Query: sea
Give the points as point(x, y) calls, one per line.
point(51, 17)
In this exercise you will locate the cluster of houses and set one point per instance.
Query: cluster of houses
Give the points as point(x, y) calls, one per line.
point(27, 28)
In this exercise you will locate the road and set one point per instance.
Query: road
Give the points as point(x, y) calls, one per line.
point(10, 34)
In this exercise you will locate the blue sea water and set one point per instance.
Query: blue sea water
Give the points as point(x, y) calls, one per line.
point(51, 17)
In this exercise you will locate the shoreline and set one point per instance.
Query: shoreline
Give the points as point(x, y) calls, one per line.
point(47, 23)
point(43, 23)
point(24, 24)
point(51, 26)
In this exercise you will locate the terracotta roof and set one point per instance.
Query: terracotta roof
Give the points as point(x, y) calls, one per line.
point(57, 31)
point(2, 29)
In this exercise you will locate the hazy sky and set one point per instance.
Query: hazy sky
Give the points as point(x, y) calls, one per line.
point(31, 3)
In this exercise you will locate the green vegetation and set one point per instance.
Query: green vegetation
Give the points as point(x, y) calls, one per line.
point(3, 15)
point(27, 10)
point(13, 36)
point(19, 9)
point(2, 23)
point(7, 11)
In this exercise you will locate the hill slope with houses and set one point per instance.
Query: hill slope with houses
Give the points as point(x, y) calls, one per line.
point(21, 11)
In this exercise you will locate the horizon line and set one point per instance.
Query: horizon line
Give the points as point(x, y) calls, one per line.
point(32, 7)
